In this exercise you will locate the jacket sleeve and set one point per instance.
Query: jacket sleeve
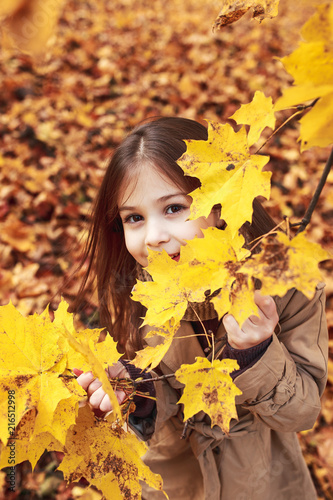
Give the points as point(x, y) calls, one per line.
point(283, 388)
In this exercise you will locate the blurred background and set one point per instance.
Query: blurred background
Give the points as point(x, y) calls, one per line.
point(106, 67)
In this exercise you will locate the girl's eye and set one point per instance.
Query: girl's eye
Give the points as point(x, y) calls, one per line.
point(173, 209)
point(132, 219)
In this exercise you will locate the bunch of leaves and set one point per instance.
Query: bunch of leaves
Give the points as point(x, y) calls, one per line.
point(37, 356)
point(311, 66)
point(218, 268)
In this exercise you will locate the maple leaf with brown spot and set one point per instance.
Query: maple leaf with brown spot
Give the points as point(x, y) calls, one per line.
point(32, 356)
point(206, 264)
point(209, 388)
point(283, 264)
point(107, 457)
point(26, 444)
point(40, 374)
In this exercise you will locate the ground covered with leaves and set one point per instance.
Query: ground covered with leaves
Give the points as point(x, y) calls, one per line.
point(110, 65)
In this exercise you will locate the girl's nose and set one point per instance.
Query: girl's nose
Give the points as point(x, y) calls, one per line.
point(156, 234)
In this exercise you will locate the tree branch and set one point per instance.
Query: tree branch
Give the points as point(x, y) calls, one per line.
point(307, 217)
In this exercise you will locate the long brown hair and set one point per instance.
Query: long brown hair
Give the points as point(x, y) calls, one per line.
point(160, 143)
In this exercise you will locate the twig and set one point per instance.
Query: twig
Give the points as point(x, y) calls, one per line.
point(153, 379)
point(260, 238)
point(307, 217)
point(203, 326)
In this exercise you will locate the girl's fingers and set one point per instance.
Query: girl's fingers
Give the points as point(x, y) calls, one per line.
point(117, 370)
point(105, 404)
point(93, 386)
point(99, 399)
point(255, 329)
point(85, 380)
point(230, 324)
point(266, 305)
point(96, 398)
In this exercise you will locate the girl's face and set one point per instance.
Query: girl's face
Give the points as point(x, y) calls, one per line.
point(154, 213)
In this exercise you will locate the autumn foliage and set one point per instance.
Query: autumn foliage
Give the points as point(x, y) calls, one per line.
point(37, 353)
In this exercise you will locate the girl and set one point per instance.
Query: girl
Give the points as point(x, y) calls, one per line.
point(144, 203)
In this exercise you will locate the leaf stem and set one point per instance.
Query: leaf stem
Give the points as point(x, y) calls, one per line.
point(307, 217)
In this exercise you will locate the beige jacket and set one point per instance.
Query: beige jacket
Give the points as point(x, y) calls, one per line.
point(261, 458)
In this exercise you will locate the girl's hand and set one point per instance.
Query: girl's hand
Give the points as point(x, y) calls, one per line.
point(97, 397)
point(255, 329)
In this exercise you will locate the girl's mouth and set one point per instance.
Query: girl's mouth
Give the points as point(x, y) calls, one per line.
point(175, 256)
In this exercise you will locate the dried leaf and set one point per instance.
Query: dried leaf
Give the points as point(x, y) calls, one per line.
point(232, 10)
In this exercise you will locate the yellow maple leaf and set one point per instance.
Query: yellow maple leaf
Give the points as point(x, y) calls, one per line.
point(28, 24)
point(206, 265)
point(238, 193)
point(317, 125)
point(88, 350)
point(283, 264)
point(196, 272)
point(258, 114)
point(232, 10)
point(152, 355)
point(31, 360)
point(66, 411)
point(26, 444)
point(209, 388)
point(107, 457)
point(227, 172)
point(238, 300)
point(85, 352)
point(168, 299)
point(105, 351)
point(311, 66)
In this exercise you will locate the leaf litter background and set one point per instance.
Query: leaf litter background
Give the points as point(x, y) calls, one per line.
point(108, 66)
